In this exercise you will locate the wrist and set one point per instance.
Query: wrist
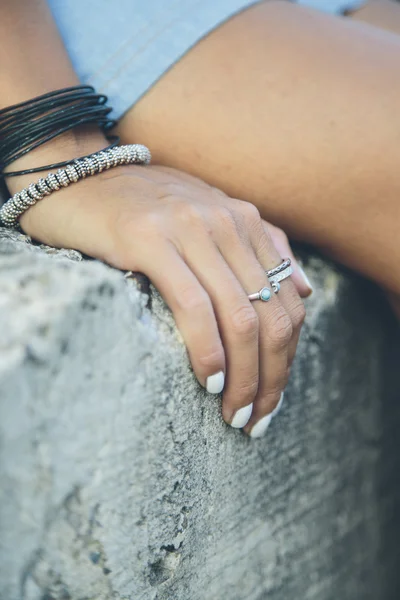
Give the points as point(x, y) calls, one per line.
point(72, 144)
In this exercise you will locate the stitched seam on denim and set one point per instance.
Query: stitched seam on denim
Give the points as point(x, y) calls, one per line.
point(140, 51)
point(107, 64)
point(137, 53)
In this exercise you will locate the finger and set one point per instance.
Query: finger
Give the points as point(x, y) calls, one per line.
point(237, 320)
point(193, 313)
point(275, 329)
point(285, 328)
point(291, 301)
point(281, 243)
point(288, 294)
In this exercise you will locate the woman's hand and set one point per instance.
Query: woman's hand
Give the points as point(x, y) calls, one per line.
point(205, 252)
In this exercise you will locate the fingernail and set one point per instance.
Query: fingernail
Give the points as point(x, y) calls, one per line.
point(261, 427)
point(215, 383)
point(278, 406)
point(242, 416)
point(307, 281)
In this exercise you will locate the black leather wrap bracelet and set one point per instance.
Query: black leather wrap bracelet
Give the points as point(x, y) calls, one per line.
point(28, 125)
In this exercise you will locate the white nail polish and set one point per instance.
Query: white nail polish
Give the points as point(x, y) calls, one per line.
point(215, 383)
point(261, 427)
point(278, 406)
point(308, 282)
point(242, 416)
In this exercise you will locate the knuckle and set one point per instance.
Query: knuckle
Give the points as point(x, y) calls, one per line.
point(277, 383)
point(193, 298)
point(172, 190)
point(247, 392)
point(282, 330)
point(249, 211)
point(244, 322)
point(272, 396)
point(251, 217)
point(189, 214)
point(150, 223)
point(210, 360)
point(298, 315)
point(272, 393)
point(217, 192)
point(225, 220)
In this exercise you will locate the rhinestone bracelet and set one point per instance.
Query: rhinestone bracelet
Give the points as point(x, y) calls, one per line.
point(73, 172)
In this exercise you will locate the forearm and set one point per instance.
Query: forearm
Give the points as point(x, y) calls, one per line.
point(34, 61)
point(32, 55)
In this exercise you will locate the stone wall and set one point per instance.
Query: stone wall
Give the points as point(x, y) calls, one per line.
point(119, 479)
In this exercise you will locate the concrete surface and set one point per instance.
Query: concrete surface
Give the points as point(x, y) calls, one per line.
point(119, 479)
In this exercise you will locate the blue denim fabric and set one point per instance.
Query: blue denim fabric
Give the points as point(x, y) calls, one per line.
point(122, 47)
point(333, 6)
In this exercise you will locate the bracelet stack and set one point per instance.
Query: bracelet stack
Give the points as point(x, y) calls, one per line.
point(25, 126)
point(72, 173)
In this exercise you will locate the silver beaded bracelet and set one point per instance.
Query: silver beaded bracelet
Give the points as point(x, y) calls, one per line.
point(76, 170)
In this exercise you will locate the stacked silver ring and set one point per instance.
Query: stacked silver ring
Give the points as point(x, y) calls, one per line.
point(281, 272)
point(282, 267)
point(76, 170)
point(275, 276)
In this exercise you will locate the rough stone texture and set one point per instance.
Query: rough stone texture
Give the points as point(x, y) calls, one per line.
point(119, 479)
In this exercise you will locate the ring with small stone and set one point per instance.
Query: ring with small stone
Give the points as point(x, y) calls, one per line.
point(275, 279)
point(264, 294)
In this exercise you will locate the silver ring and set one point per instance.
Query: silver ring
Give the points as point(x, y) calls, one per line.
point(284, 265)
point(264, 294)
point(275, 279)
